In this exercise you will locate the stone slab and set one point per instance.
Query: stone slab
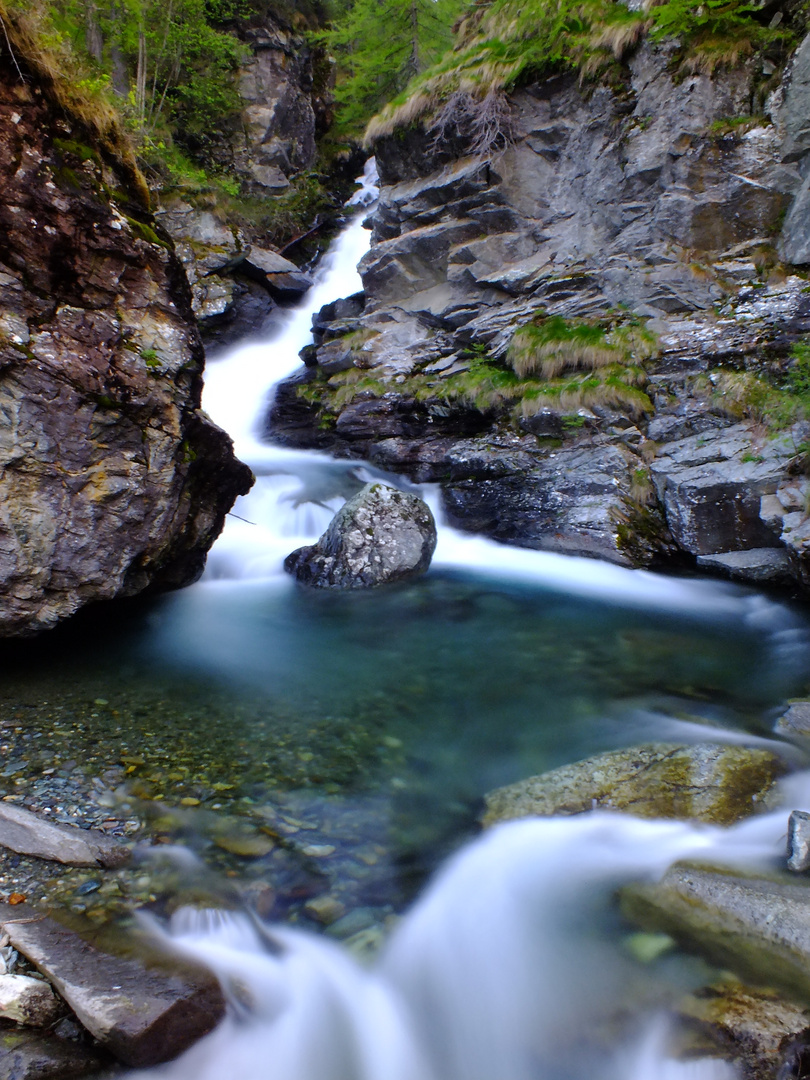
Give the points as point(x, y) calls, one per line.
point(30, 834)
point(142, 1015)
point(755, 564)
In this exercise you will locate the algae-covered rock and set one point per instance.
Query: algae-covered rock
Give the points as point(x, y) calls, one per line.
point(705, 782)
point(757, 1030)
point(381, 535)
point(757, 927)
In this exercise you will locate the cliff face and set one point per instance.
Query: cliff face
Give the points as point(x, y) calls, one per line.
point(112, 480)
point(647, 211)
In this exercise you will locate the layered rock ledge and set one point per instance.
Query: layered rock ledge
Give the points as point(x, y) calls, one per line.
point(646, 213)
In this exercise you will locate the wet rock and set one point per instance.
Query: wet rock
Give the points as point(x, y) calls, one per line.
point(143, 1016)
point(30, 834)
point(279, 275)
point(381, 535)
point(756, 927)
point(28, 1001)
point(711, 486)
point(28, 1056)
point(704, 782)
point(796, 721)
point(325, 909)
point(758, 565)
point(760, 1032)
point(798, 841)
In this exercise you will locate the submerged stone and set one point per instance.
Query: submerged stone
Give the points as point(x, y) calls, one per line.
point(705, 782)
point(380, 536)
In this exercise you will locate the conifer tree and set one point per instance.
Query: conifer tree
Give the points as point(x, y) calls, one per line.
point(381, 45)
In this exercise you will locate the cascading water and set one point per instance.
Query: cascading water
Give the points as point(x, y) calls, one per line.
point(507, 963)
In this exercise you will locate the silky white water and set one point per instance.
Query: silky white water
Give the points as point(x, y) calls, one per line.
point(510, 960)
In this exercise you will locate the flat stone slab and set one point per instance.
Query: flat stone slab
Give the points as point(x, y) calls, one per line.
point(28, 1056)
point(30, 834)
point(143, 1016)
point(757, 564)
point(757, 927)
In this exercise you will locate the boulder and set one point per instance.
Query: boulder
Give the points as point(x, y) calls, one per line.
point(704, 782)
point(798, 841)
point(142, 1015)
point(795, 723)
point(380, 536)
point(278, 274)
point(30, 834)
point(758, 928)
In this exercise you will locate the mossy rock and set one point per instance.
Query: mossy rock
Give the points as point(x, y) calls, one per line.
point(705, 782)
point(759, 1031)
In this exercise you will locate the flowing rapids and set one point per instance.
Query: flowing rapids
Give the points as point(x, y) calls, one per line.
point(502, 969)
point(508, 964)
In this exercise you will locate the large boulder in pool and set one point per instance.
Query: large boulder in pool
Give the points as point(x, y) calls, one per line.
point(379, 536)
point(720, 784)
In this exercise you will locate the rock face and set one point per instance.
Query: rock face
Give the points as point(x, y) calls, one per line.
point(235, 284)
point(112, 480)
point(706, 782)
point(639, 206)
point(758, 928)
point(142, 1016)
point(380, 536)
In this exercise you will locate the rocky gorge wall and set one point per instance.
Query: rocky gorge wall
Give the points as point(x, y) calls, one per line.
point(671, 210)
point(112, 480)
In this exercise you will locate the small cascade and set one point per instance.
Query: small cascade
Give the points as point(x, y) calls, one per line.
point(503, 968)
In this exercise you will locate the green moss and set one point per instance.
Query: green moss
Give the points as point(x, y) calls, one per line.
point(775, 402)
point(145, 232)
point(77, 149)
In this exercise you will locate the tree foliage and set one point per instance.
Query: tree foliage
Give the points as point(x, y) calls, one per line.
point(380, 46)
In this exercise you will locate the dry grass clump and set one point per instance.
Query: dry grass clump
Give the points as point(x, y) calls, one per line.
point(499, 43)
point(31, 45)
point(555, 345)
